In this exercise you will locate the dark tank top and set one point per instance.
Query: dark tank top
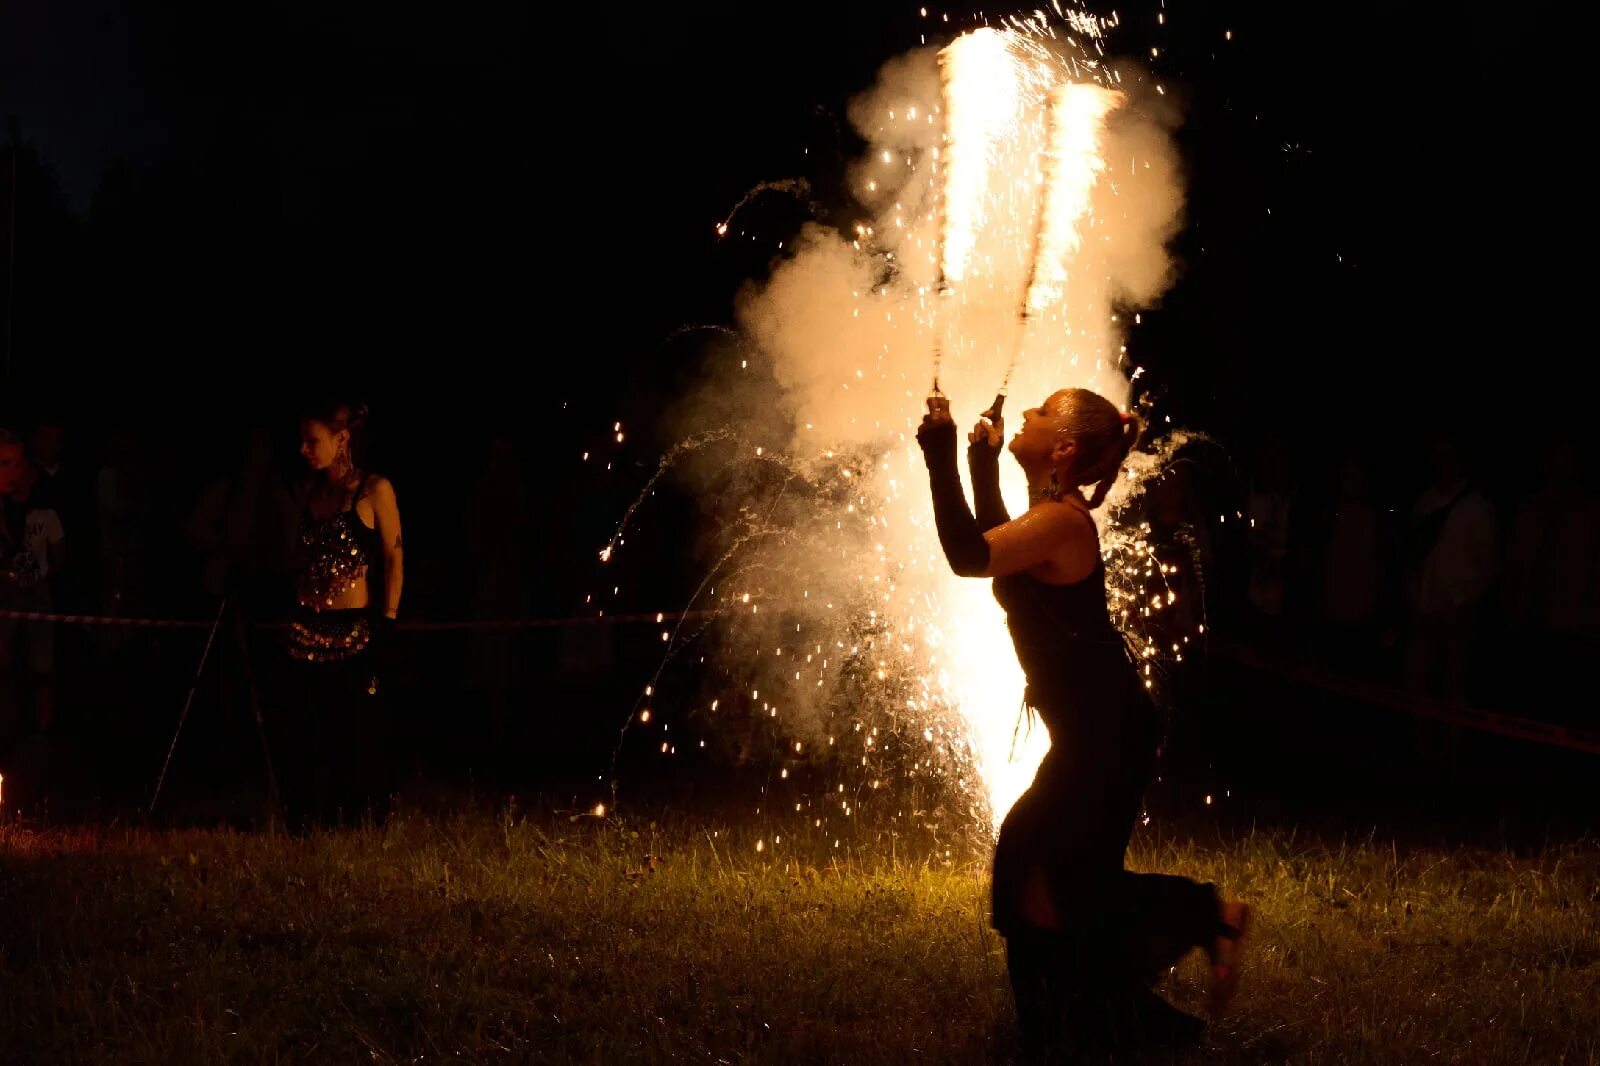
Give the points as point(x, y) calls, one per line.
point(1074, 658)
point(336, 553)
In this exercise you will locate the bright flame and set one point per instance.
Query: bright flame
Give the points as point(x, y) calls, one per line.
point(979, 77)
point(1072, 162)
point(984, 681)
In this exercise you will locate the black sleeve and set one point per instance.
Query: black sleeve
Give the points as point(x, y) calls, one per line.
point(984, 466)
point(959, 535)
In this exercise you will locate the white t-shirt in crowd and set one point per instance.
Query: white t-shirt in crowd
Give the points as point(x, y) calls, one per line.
point(1461, 565)
point(1269, 549)
point(43, 529)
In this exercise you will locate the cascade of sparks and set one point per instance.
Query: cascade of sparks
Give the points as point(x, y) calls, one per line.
point(837, 647)
point(979, 88)
point(979, 77)
point(1072, 162)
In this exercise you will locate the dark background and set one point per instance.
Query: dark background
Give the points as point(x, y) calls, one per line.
point(420, 199)
point(489, 220)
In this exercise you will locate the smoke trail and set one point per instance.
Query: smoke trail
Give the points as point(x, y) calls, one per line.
point(799, 188)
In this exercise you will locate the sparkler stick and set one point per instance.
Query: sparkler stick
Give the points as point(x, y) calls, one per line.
point(1023, 311)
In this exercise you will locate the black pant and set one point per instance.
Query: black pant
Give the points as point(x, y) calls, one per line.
point(1119, 930)
point(334, 746)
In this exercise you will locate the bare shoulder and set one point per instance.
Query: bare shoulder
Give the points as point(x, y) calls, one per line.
point(377, 503)
point(380, 488)
point(1057, 527)
point(1067, 516)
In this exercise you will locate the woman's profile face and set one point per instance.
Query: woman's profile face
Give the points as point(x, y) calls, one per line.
point(319, 444)
point(1034, 444)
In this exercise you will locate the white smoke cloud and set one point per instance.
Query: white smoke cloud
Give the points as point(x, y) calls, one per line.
point(856, 636)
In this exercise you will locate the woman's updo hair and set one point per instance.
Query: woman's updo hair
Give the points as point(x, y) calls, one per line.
point(1104, 436)
point(336, 416)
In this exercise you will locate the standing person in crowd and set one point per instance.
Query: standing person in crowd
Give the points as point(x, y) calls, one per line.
point(1182, 542)
point(244, 525)
point(1552, 589)
point(350, 574)
point(12, 524)
point(500, 531)
point(120, 498)
point(1452, 553)
point(57, 488)
point(32, 546)
point(67, 488)
point(1450, 548)
point(1349, 577)
point(1270, 511)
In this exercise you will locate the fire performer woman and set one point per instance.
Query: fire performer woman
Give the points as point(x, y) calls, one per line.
point(1085, 938)
point(351, 572)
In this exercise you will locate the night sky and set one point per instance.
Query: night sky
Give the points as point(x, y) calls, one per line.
point(1380, 198)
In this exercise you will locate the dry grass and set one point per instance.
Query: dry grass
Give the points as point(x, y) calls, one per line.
point(511, 939)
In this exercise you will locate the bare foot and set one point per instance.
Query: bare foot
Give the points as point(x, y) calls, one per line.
point(1227, 957)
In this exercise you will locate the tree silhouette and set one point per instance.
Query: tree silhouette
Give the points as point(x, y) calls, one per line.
point(39, 240)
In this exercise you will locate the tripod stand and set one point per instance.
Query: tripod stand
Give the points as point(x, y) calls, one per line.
point(238, 631)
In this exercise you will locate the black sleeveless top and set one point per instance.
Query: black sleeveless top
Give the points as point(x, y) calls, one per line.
point(337, 551)
point(1074, 658)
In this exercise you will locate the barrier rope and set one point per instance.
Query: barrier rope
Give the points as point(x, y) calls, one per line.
point(1371, 693)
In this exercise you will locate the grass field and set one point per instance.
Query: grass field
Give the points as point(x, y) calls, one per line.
point(500, 938)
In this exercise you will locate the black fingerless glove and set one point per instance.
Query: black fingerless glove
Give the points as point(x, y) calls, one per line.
point(938, 444)
point(983, 466)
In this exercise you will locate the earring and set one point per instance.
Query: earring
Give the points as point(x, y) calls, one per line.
point(1054, 492)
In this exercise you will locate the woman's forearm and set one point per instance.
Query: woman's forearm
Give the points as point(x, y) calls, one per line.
point(394, 579)
point(984, 466)
point(959, 535)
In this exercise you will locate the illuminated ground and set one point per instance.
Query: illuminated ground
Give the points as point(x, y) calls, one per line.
point(553, 939)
